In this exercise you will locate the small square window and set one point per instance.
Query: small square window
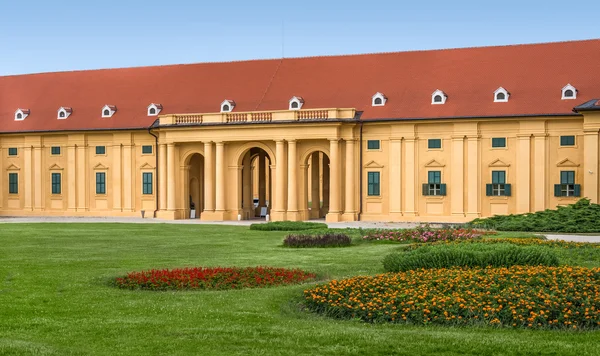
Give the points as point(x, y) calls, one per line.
point(373, 144)
point(567, 140)
point(499, 142)
point(100, 150)
point(434, 143)
point(12, 151)
point(147, 149)
point(55, 150)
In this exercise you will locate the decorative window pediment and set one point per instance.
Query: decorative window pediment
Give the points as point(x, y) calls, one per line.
point(379, 99)
point(154, 109)
point(438, 97)
point(296, 103)
point(147, 166)
point(227, 106)
point(64, 112)
point(434, 163)
point(13, 167)
point(100, 167)
point(499, 163)
point(109, 110)
point(569, 92)
point(501, 95)
point(567, 163)
point(21, 114)
point(373, 164)
point(55, 167)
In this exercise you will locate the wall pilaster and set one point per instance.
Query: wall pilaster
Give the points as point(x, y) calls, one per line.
point(395, 179)
point(523, 176)
point(335, 181)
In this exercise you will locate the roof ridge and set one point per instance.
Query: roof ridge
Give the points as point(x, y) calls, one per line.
point(305, 57)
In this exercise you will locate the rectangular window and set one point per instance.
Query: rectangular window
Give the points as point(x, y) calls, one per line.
point(55, 150)
point(147, 183)
point(498, 186)
point(100, 183)
point(499, 142)
point(100, 150)
point(434, 143)
point(12, 151)
point(147, 149)
point(56, 183)
point(567, 186)
point(13, 183)
point(567, 140)
point(373, 186)
point(434, 180)
point(373, 144)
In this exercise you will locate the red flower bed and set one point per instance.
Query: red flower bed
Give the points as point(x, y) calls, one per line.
point(212, 278)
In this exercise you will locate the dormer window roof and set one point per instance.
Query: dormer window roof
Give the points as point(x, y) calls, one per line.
point(154, 109)
point(296, 103)
point(109, 110)
point(378, 99)
point(438, 97)
point(501, 95)
point(227, 106)
point(569, 92)
point(21, 114)
point(64, 112)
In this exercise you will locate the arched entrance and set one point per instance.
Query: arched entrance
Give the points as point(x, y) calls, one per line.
point(195, 186)
point(316, 186)
point(256, 191)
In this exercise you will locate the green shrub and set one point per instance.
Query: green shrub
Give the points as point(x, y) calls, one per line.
point(580, 217)
point(469, 255)
point(323, 240)
point(288, 226)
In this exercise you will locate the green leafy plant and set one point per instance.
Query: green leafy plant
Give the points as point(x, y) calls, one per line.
point(288, 226)
point(324, 240)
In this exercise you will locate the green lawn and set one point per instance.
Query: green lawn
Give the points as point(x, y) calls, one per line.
point(55, 299)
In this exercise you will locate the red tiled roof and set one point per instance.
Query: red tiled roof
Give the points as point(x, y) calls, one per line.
point(533, 74)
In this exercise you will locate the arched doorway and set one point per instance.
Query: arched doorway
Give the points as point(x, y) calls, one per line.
point(195, 192)
point(317, 185)
point(256, 188)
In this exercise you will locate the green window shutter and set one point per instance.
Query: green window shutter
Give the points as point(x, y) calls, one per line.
point(488, 190)
point(443, 189)
point(577, 192)
point(425, 189)
point(507, 190)
point(557, 190)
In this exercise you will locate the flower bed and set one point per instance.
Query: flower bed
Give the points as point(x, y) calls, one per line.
point(518, 297)
point(212, 278)
point(288, 226)
point(324, 240)
point(525, 242)
point(424, 234)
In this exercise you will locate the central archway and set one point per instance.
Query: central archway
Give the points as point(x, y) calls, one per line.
point(194, 186)
point(316, 185)
point(256, 190)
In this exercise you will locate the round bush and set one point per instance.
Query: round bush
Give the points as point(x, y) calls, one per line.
point(212, 278)
point(469, 255)
point(324, 240)
point(517, 297)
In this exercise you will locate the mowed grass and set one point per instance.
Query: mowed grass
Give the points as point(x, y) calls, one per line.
point(55, 299)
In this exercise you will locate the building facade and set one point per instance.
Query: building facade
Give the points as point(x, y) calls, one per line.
point(439, 136)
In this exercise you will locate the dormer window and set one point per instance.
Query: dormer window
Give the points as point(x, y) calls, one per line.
point(109, 110)
point(569, 92)
point(154, 109)
point(21, 114)
point(378, 99)
point(227, 106)
point(501, 95)
point(438, 97)
point(296, 103)
point(64, 113)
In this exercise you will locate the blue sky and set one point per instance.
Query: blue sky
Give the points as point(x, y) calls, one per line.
point(42, 36)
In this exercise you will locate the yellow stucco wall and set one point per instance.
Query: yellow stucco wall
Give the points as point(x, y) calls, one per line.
point(206, 162)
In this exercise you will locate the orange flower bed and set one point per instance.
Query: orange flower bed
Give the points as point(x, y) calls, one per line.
point(519, 297)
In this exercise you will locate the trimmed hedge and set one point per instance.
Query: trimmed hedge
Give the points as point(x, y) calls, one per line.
point(325, 240)
point(469, 255)
point(288, 226)
point(580, 217)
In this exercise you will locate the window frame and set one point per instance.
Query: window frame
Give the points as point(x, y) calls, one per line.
point(13, 186)
point(147, 184)
point(55, 150)
point(430, 140)
point(103, 150)
point(373, 148)
point(499, 138)
point(434, 182)
point(373, 188)
point(562, 144)
point(567, 183)
point(13, 151)
point(56, 183)
point(498, 185)
point(101, 183)
point(151, 149)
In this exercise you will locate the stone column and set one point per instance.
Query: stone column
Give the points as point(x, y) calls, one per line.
point(278, 213)
point(209, 178)
point(28, 179)
point(37, 178)
point(457, 179)
point(117, 181)
point(590, 165)
point(292, 203)
point(325, 169)
point(315, 196)
point(539, 200)
point(523, 177)
point(395, 179)
point(262, 182)
point(220, 179)
point(171, 183)
point(71, 179)
point(162, 176)
point(350, 185)
point(335, 181)
point(410, 187)
point(247, 199)
point(473, 184)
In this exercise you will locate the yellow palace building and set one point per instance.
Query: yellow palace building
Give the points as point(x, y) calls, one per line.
point(443, 135)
